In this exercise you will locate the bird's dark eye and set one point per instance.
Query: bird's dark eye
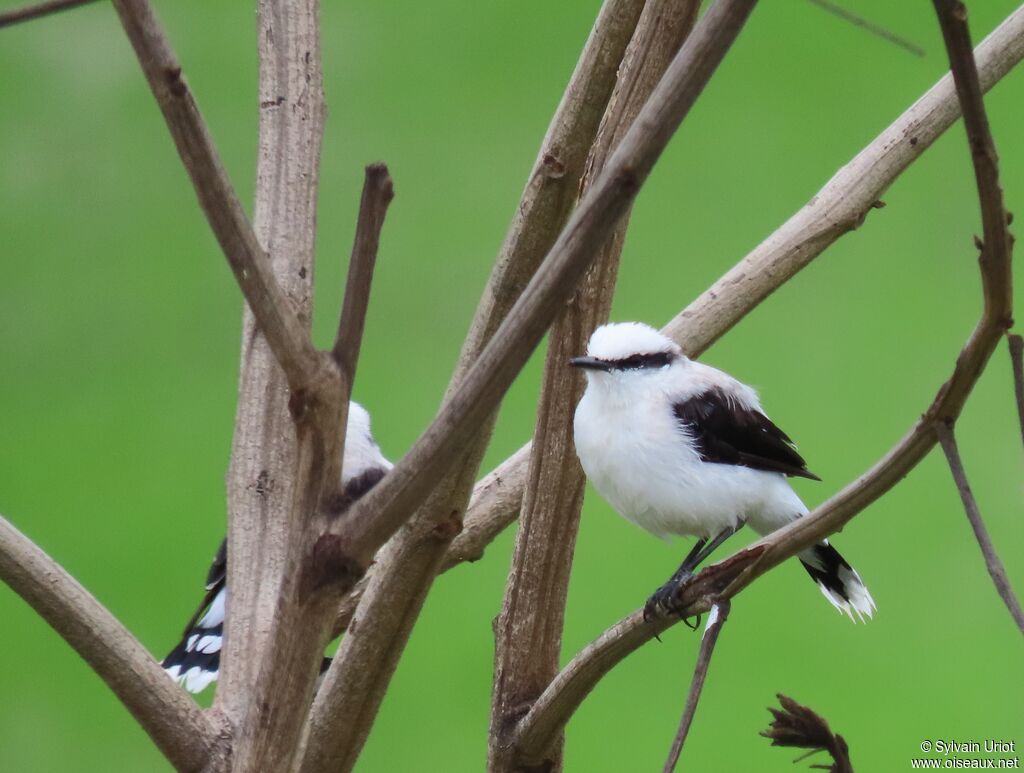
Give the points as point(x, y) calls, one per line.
point(657, 360)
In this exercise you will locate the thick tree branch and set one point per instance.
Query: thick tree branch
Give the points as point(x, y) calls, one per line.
point(404, 571)
point(716, 619)
point(287, 336)
point(35, 11)
point(170, 717)
point(995, 567)
point(286, 441)
point(729, 577)
point(528, 631)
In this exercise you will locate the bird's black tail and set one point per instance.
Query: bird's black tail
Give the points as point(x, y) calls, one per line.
point(195, 662)
point(839, 582)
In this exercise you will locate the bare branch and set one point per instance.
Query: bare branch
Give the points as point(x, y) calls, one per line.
point(273, 641)
point(377, 195)
point(1016, 344)
point(796, 725)
point(998, 242)
point(287, 335)
point(716, 620)
point(528, 631)
point(729, 577)
point(170, 717)
point(995, 567)
point(864, 24)
point(404, 571)
point(29, 12)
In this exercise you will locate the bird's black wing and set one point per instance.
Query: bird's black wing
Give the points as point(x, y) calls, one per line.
point(726, 433)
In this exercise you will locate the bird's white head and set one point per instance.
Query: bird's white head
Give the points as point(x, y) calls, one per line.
point(628, 353)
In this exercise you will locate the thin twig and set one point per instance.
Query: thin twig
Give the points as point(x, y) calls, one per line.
point(29, 12)
point(869, 26)
point(995, 567)
point(378, 192)
point(170, 717)
point(716, 619)
point(1016, 344)
point(286, 334)
point(998, 242)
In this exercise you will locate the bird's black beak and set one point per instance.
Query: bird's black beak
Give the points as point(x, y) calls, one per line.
point(589, 363)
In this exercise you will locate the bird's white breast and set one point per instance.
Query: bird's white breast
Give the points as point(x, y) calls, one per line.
point(641, 460)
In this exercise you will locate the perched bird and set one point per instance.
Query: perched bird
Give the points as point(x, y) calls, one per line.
point(681, 448)
point(195, 662)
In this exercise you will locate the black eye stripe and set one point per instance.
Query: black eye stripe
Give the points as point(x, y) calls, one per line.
point(637, 361)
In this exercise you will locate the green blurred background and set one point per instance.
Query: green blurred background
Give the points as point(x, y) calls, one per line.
point(119, 325)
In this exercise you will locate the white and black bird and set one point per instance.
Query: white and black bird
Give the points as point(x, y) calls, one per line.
point(681, 448)
point(195, 662)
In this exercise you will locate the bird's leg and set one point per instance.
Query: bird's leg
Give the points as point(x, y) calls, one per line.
point(665, 598)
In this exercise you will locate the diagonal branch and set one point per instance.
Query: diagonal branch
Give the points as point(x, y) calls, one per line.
point(378, 192)
point(404, 571)
point(716, 620)
point(170, 717)
point(375, 517)
point(37, 10)
point(287, 335)
point(729, 577)
point(995, 567)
